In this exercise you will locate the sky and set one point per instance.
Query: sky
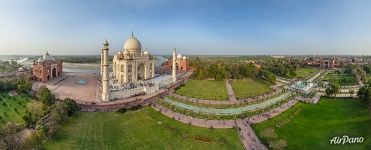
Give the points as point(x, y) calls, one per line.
point(194, 27)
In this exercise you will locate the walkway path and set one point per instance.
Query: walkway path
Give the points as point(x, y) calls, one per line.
point(248, 136)
point(194, 121)
point(276, 111)
point(231, 96)
point(315, 76)
point(229, 111)
point(359, 81)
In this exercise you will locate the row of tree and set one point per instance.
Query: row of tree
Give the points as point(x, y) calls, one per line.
point(204, 69)
point(22, 85)
point(282, 67)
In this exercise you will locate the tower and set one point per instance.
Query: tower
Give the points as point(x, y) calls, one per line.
point(101, 63)
point(105, 86)
point(174, 65)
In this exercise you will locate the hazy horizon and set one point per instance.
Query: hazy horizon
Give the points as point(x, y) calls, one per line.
point(195, 27)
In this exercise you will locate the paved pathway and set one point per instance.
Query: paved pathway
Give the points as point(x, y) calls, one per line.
point(315, 76)
point(231, 96)
point(276, 111)
point(248, 136)
point(359, 81)
point(194, 121)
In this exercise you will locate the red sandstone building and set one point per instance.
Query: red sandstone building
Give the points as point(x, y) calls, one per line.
point(328, 63)
point(182, 63)
point(46, 68)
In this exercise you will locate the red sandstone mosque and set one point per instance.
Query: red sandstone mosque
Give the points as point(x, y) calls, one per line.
point(181, 62)
point(46, 68)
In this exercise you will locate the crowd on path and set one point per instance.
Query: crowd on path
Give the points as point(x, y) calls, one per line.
point(274, 112)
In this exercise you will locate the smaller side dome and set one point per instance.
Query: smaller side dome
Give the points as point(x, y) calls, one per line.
point(146, 52)
point(40, 60)
point(184, 57)
point(179, 56)
point(119, 53)
point(126, 52)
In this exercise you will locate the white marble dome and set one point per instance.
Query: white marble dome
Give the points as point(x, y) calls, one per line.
point(132, 45)
point(184, 57)
point(47, 56)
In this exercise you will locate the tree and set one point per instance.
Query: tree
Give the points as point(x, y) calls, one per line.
point(332, 89)
point(44, 95)
point(24, 85)
point(71, 106)
point(34, 111)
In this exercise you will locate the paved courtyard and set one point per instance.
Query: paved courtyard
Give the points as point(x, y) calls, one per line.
point(67, 86)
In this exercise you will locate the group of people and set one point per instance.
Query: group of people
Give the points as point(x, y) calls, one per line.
point(115, 86)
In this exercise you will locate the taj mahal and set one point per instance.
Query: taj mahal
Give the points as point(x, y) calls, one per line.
point(133, 72)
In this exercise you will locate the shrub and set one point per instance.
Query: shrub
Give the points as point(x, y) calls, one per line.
point(122, 110)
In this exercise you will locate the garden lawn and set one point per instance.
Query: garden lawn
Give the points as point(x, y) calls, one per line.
point(249, 88)
point(12, 108)
point(204, 89)
point(305, 72)
point(315, 125)
point(341, 79)
point(141, 129)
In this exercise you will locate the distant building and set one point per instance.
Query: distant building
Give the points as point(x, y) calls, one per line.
point(327, 63)
point(46, 68)
point(181, 62)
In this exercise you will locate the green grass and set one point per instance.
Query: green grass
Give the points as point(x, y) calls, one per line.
point(142, 129)
point(305, 72)
point(341, 79)
point(249, 88)
point(204, 89)
point(12, 108)
point(315, 125)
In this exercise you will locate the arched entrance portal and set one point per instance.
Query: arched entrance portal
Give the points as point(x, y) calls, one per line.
point(140, 72)
point(54, 72)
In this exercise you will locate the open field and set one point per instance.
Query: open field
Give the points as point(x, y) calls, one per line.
point(341, 79)
point(304, 72)
point(142, 129)
point(12, 108)
point(249, 88)
point(312, 126)
point(204, 89)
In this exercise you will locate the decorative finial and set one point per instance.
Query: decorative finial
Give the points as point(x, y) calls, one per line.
point(106, 43)
point(174, 48)
point(132, 33)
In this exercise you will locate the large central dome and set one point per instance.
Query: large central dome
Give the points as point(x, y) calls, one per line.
point(132, 45)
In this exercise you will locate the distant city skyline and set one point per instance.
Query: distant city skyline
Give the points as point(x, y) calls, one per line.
point(195, 27)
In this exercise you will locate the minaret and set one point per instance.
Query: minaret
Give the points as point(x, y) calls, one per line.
point(101, 63)
point(105, 84)
point(174, 65)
